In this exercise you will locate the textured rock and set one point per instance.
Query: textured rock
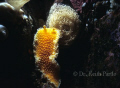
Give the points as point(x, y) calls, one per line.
point(105, 50)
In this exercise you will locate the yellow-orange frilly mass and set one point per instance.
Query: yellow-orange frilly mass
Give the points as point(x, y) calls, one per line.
point(45, 44)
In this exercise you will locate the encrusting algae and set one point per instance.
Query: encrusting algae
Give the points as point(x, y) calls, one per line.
point(45, 44)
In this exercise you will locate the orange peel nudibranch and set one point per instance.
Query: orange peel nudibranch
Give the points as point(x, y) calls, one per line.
point(45, 52)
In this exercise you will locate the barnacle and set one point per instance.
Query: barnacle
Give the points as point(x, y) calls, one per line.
point(66, 19)
point(45, 44)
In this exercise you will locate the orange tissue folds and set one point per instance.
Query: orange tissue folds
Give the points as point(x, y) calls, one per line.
point(45, 51)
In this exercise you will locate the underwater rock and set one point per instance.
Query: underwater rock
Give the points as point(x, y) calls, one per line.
point(8, 15)
point(14, 50)
point(3, 32)
point(105, 51)
point(77, 4)
point(117, 1)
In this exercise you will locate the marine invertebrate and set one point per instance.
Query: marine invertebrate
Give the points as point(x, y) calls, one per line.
point(45, 44)
point(66, 19)
point(17, 4)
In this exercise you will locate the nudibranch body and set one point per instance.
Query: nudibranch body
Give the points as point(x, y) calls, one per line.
point(45, 44)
